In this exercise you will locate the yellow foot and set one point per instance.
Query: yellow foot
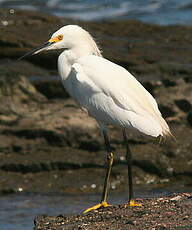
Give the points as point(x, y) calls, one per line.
point(132, 204)
point(103, 204)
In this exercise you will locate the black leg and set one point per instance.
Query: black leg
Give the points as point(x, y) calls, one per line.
point(103, 202)
point(129, 165)
point(109, 166)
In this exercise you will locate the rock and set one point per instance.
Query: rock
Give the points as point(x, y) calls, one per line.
point(184, 105)
point(144, 48)
point(16, 92)
point(176, 198)
point(51, 88)
point(166, 111)
point(154, 214)
point(24, 68)
point(168, 82)
point(19, 88)
point(189, 118)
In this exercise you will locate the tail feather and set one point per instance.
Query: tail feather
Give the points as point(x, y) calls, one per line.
point(166, 132)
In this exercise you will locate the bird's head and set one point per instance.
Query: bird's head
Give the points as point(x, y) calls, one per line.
point(67, 37)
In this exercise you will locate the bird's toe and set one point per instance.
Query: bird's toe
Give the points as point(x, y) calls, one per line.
point(103, 204)
point(132, 203)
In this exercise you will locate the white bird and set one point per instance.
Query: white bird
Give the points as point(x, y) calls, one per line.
point(107, 91)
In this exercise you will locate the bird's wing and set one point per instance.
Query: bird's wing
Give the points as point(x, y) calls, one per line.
point(96, 79)
point(116, 82)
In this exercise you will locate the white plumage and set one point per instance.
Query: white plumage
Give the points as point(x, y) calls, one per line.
point(107, 91)
point(113, 96)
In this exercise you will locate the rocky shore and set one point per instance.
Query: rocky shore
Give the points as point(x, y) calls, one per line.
point(47, 141)
point(163, 213)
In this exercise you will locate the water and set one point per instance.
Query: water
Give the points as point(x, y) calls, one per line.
point(164, 12)
point(19, 211)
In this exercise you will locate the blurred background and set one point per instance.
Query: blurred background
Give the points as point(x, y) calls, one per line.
point(162, 12)
point(52, 154)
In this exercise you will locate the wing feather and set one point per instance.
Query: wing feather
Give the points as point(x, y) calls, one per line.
point(118, 83)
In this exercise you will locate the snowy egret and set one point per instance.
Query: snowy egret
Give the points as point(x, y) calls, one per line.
point(106, 91)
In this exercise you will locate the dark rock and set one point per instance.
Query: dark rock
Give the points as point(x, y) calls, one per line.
point(170, 154)
point(188, 79)
point(22, 68)
point(53, 138)
point(90, 145)
point(51, 89)
point(149, 86)
point(7, 191)
point(44, 166)
point(149, 167)
point(189, 118)
point(166, 111)
point(17, 148)
point(168, 83)
point(184, 105)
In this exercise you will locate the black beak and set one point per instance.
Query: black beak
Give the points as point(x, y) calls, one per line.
point(36, 50)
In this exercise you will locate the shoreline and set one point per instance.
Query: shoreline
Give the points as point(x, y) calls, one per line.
point(172, 212)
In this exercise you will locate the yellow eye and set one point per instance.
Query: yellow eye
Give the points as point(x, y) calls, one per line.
point(60, 37)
